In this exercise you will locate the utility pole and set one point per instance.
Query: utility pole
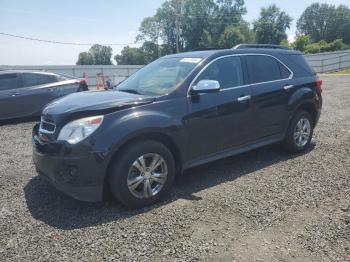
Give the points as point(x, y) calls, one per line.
point(177, 33)
point(177, 25)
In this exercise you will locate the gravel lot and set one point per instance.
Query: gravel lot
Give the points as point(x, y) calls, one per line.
point(264, 205)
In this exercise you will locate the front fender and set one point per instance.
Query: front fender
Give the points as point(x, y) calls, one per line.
point(116, 131)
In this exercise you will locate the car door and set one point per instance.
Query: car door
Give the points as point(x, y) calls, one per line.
point(36, 91)
point(9, 105)
point(270, 80)
point(219, 121)
point(67, 87)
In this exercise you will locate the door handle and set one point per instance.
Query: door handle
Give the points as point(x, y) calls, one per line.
point(15, 94)
point(287, 87)
point(243, 98)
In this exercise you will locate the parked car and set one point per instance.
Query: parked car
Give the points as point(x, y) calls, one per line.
point(25, 94)
point(178, 112)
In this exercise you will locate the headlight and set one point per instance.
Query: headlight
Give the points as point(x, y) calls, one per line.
point(77, 130)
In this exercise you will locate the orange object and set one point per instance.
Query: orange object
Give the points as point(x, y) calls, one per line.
point(100, 81)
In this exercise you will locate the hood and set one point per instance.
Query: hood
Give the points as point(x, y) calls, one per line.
point(96, 102)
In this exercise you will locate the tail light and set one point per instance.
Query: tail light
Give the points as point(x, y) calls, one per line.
point(319, 85)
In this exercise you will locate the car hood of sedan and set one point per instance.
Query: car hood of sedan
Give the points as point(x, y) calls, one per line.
point(93, 102)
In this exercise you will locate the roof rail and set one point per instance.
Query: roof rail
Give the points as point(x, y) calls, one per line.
point(207, 48)
point(244, 46)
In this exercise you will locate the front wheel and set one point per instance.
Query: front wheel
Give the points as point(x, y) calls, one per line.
point(142, 173)
point(299, 133)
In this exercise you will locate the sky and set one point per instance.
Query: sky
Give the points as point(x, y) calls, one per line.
point(88, 21)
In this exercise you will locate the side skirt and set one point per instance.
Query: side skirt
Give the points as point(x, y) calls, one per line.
point(233, 151)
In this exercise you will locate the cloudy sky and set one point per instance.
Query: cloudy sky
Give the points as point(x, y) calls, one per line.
point(88, 21)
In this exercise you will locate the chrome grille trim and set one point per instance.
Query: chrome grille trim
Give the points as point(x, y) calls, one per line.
point(45, 131)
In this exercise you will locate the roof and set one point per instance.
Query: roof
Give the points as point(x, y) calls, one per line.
point(208, 53)
point(6, 71)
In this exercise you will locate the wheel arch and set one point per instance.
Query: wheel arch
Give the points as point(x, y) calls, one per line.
point(310, 108)
point(157, 136)
point(303, 99)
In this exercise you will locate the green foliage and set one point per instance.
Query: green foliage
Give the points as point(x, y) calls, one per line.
point(323, 46)
point(192, 24)
point(198, 23)
point(271, 26)
point(249, 35)
point(301, 41)
point(312, 49)
point(101, 54)
point(206, 40)
point(337, 44)
point(131, 56)
point(325, 22)
point(232, 36)
point(285, 43)
point(85, 58)
point(147, 53)
point(97, 55)
point(149, 30)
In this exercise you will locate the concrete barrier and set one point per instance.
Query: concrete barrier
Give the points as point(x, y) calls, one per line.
point(322, 62)
point(329, 61)
point(115, 73)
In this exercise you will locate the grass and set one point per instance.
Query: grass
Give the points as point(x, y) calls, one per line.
point(345, 71)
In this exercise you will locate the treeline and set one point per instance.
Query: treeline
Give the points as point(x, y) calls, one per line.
point(184, 25)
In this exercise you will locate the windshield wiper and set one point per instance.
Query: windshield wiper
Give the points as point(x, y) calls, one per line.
point(131, 91)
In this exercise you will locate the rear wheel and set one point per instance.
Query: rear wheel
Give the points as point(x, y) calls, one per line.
point(299, 133)
point(142, 174)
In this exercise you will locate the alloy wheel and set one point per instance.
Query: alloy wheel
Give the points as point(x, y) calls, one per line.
point(147, 176)
point(302, 132)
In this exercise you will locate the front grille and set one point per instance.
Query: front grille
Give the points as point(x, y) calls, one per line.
point(47, 127)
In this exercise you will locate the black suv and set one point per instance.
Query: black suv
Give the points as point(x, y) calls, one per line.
point(178, 112)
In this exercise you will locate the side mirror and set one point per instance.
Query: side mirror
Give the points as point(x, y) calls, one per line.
point(206, 86)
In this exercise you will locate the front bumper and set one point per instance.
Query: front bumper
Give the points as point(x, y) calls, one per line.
point(75, 170)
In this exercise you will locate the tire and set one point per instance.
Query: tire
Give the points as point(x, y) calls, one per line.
point(126, 174)
point(300, 121)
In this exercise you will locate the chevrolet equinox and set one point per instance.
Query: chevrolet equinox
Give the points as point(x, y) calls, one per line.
point(178, 112)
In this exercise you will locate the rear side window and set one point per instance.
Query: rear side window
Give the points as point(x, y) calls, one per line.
point(29, 79)
point(298, 64)
point(285, 73)
point(8, 81)
point(265, 68)
point(227, 71)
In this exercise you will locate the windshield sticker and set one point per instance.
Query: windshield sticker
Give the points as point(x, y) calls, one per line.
point(190, 60)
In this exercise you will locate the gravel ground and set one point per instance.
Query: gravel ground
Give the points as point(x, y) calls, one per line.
point(264, 205)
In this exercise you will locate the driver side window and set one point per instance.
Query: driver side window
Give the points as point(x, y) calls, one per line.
point(227, 71)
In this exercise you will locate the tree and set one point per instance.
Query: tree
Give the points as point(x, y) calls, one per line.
point(151, 51)
point(249, 35)
point(97, 55)
point(131, 56)
point(85, 58)
point(101, 54)
point(183, 25)
point(190, 24)
point(312, 49)
point(271, 27)
point(228, 13)
point(301, 41)
point(232, 36)
point(143, 55)
point(149, 30)
point(325, 22)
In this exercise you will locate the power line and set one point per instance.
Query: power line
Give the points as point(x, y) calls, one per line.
point(60, 42)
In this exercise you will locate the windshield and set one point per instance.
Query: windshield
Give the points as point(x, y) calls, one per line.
point(160, 77)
